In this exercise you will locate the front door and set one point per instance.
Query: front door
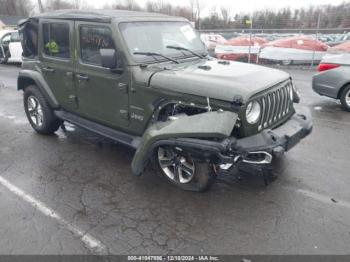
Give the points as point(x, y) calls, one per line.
point(57, 63)
point(102, 94)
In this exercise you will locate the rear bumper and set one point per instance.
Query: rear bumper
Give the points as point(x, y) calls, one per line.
point(328, 83)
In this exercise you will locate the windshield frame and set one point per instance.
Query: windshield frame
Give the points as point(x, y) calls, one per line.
point(152, 60)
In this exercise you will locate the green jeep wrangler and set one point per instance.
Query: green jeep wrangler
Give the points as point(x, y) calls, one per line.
point(146, 81)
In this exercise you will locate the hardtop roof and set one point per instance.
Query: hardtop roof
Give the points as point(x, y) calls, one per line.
point(103, 16)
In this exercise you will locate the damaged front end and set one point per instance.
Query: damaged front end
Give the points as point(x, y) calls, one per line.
point(208, 137)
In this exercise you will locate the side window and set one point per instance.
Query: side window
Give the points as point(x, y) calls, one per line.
point(92, 39)
point(56, 40)
point(29, 38)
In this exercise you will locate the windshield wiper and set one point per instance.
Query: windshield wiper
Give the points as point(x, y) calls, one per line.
point(181, 48)
point(156, 54)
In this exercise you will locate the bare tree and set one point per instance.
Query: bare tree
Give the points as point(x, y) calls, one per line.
point(78, 4)
point(200, 6)
point(16, 7)
point(58, 4)
point(226, 13)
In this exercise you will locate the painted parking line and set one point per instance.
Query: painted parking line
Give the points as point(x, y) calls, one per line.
point(93, 244)
point(323, 198)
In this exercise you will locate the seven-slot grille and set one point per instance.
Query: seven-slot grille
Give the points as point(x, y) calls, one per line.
point(275, 105)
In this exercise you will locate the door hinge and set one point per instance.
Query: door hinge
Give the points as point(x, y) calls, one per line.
point(123, 87)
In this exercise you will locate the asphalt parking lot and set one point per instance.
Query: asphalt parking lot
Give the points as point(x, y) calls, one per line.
point(73, 193)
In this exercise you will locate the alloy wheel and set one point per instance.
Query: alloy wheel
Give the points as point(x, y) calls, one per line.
point(175, 165)
point(35, 111)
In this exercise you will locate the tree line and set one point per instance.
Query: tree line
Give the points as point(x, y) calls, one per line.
point(328, 16)
point(331, 16)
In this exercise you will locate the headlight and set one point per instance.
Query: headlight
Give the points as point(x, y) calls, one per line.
point(253, 112)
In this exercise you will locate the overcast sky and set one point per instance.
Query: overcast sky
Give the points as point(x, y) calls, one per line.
point(235, 5)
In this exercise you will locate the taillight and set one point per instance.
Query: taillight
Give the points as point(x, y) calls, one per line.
point(325, 67)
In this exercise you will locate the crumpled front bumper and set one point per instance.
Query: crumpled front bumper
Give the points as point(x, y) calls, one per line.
point(280, 139)
point(229, 150)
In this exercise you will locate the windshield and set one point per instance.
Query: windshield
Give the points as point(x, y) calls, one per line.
point(154, 37)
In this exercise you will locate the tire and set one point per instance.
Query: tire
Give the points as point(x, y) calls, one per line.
point(38, 111)
point(203, 175)
point(345, 98)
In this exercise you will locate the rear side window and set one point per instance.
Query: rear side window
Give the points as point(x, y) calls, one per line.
point(56, 40)
point(92, 39)
point(29, 38)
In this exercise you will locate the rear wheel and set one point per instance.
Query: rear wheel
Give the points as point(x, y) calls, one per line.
point(38, 111)
point(345, 98)
point(182, 170)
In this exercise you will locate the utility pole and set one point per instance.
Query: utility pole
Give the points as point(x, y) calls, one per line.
point(250, 37)
point(41, 7)
point(316, 39)
point(199, 15)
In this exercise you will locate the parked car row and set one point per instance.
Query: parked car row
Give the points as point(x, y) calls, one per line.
point(291, 49)
point(10, 47)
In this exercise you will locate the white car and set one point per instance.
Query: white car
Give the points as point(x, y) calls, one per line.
point(10, 47)
point(211, 40)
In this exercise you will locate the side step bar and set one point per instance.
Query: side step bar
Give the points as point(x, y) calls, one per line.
point(121, 137)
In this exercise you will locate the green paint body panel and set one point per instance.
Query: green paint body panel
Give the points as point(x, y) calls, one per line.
point(128, 100)
point(218, 124)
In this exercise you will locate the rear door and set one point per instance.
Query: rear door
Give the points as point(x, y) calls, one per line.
point(57, 64)
point(102, 94)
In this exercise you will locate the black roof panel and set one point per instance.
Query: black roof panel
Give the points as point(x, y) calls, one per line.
point(95, 15)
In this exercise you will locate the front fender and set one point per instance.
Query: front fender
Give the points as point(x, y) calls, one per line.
point(218, 124)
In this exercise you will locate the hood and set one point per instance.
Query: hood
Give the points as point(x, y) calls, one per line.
point(218, 79)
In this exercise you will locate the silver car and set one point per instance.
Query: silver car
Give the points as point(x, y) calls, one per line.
point(333, 79)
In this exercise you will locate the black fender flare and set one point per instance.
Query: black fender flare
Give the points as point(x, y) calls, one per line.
point(30, 77)
point(216, 124)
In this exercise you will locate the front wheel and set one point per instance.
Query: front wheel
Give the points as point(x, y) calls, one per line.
point(345, 98)
point(182, 170)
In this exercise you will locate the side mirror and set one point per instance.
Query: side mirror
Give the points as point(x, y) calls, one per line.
point(108, 58)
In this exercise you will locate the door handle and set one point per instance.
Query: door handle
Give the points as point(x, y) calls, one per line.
point(48, 69)
point(82, 77)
